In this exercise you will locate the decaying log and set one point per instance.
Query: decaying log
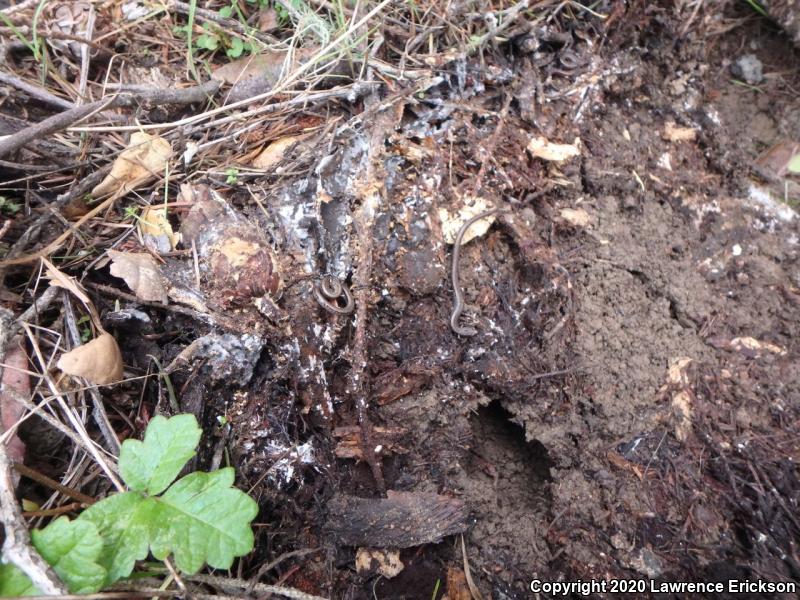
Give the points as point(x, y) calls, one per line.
point(402, 520)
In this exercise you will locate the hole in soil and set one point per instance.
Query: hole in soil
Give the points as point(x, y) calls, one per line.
point(507, 485)
point(499, 442)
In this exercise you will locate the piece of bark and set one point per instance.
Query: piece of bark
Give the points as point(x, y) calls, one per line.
point(402, 520)
point(408, 378)
point(388, 439)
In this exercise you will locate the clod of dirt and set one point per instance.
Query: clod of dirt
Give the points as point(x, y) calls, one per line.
point(749, 69)
point(228, 357)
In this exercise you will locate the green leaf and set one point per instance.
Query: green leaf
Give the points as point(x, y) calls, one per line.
point(13, 582)
point(207, 42)
point(202, 519)
point(794, 164)
point(150, 466)
point(225, 12)
point(236, 49)
point(72, 548)
point(124, 522)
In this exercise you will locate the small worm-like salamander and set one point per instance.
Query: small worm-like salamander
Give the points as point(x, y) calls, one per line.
point(458, 295)
point(328, 290)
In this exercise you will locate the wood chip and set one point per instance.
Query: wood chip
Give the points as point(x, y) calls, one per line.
point(402, 520)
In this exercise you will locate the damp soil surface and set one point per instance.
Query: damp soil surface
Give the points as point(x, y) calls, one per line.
point(629, 406)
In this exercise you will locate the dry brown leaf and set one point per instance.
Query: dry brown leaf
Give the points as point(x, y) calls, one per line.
point(145, 157)
point(62, 280)
point(267, 65)
point(142, 274)
point(457, 588)
point(673, 133)
point(267, 20)
point(273, 154)
point(156, 230)
point(99, 361)
point(540, 147)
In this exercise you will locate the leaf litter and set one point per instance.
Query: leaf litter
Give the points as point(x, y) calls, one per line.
point(370, 147)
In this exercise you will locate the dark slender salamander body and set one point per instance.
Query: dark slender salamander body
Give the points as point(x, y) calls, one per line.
point(458, 296)
point(329, 289)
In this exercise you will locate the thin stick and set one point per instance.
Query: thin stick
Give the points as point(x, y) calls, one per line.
point(35, 91)
point(52, 484)
point(259, 588)
point(17, 546)
point(293, 78)
point(61, 121)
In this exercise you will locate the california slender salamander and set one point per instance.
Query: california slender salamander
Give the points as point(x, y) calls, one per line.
point(458, 295)
point(328, 289)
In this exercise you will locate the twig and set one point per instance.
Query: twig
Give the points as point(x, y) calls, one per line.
point(35, 91)
point(60, 121)
point(26, 4)
point(259, 588)
point(52, 484)
point(17, 547)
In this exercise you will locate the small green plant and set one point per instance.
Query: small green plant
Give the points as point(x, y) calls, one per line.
point(199, 519)
point(232, 176)
point(84, 326)
point(9, 207)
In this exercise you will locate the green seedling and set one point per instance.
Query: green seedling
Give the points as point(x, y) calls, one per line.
point(199, 519)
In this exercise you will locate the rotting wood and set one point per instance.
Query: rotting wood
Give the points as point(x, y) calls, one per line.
point(388, 439)
point(402, 520)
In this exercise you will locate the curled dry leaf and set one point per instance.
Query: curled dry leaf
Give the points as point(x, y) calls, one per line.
point(63, 280)
point(99, 361)
point(142, 274)
point(145, 157)
point(540, 147)
point(156, 230)
point(451, 223)
point(274, 153)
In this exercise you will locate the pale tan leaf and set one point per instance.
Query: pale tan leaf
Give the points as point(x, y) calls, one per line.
point(451, 223)
point(99, 361)
point(540, 147)
point(156, 230)
point(62, 280)
point(267, 65)
point(145, 157)
point(142, 274)
point(274, 153)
